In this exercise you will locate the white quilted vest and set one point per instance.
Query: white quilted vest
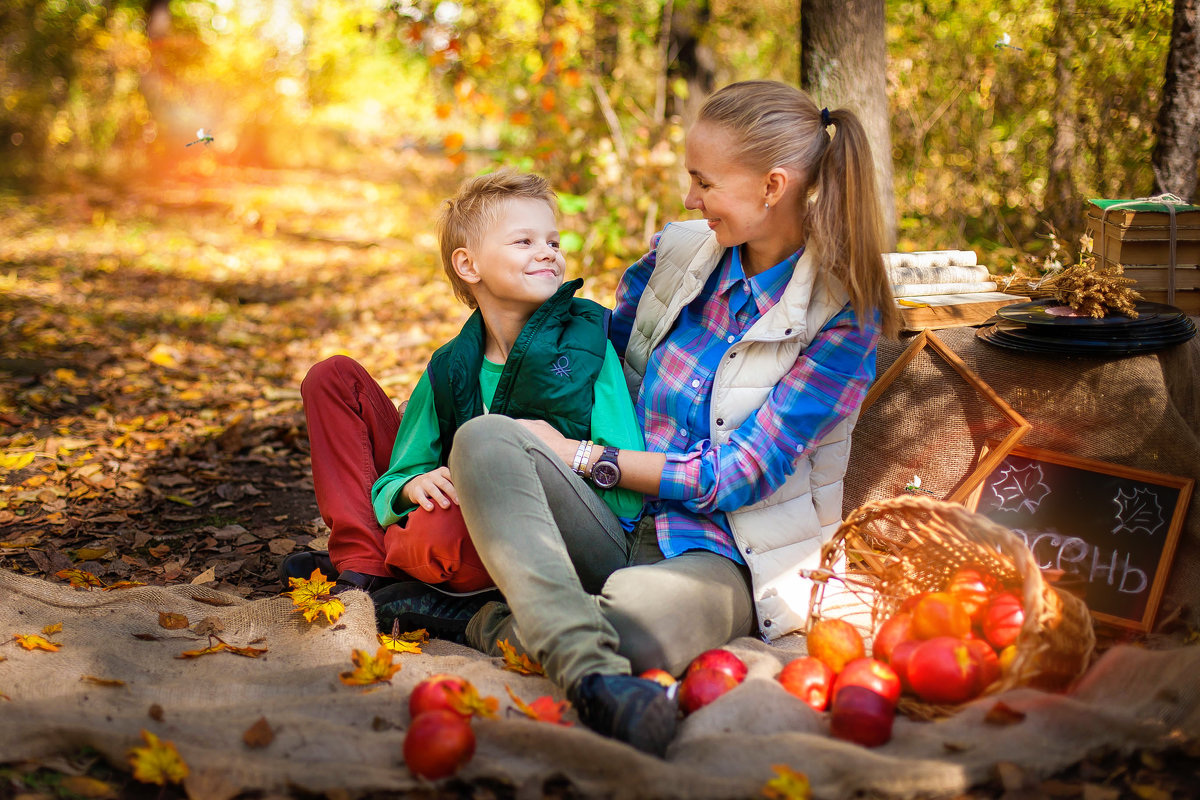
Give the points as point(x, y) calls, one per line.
point(782, 533)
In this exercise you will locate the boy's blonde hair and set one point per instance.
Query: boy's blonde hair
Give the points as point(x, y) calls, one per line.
point(467, 216)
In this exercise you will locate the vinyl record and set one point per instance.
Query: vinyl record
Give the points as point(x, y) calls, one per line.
point(1017, 337)
point(1181, 329)
point(1049, 311)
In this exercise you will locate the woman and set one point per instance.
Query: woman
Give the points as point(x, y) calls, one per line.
point(749, 343)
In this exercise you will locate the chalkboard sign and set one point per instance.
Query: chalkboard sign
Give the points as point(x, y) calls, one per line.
point(1111, 529)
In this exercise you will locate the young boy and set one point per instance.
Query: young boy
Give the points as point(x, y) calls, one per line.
point(531, 350)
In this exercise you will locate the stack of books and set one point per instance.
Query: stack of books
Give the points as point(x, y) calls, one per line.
point(1138, 235)
point(937, 289)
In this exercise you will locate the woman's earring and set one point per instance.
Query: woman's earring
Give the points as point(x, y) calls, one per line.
point(767, 206)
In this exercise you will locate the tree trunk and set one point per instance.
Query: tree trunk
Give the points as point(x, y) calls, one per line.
point(843, 62)
point(1178, 147)
point(1060, 203)
point(689, 59)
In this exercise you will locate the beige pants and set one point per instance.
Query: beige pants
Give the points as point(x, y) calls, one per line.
point(581, 594)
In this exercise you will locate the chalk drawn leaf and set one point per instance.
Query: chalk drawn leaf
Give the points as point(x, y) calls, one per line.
point(1138, 511)
point(1021, 487)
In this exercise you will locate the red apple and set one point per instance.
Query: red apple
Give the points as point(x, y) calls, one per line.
point(432, 694)
point(699, 688)
point(1002, 620)
point(989, 664)
point(659, 676)
point(438, 743)
point(862, 716)
point(720, 660)
point(939, 614)
point(810, 679)
point(835, 642)
point(869, 673)
point(894, 630)
point(910, 602)
point(972, 586)
point(942, 670)
point(901, 654)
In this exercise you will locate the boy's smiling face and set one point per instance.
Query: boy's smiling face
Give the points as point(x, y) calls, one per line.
point(517, 263)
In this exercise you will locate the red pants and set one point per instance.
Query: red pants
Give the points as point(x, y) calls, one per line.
point(351, 429)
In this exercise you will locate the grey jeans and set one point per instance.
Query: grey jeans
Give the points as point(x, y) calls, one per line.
point(582, 595)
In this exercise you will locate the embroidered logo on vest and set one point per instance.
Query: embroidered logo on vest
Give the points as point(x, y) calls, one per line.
point(562, 367)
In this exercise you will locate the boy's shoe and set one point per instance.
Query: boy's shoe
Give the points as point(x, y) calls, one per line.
point(416, 605)
point(301, 565)
point(633, 710)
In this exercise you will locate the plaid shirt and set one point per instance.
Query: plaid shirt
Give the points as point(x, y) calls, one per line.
point(702, 481)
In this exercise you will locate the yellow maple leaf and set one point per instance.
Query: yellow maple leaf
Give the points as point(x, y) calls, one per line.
point(158, 762)
point(79, 578)
point(519, 662)
point(468, 701)
point(312, 596)
point(399, 645)
point(787, 785)
point(370, 669)
point(543, 709)
point(122, 585)
point(216, 645)
point(35, 642)
point(50, 630)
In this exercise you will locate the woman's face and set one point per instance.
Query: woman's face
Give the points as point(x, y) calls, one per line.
point(728, 194)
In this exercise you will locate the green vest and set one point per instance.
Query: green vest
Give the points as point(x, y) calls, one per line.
point(549, 373)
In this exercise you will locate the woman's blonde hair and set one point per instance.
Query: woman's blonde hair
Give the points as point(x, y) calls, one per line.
point(776, 125)
point(475, 208)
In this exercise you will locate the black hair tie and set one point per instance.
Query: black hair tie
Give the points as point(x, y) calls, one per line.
point(825, 120)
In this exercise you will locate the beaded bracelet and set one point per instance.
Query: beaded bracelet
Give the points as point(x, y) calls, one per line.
point(577, 464)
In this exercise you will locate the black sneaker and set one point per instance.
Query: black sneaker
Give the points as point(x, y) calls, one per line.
point(414, 605)
point(633, 710)
point(301, 565)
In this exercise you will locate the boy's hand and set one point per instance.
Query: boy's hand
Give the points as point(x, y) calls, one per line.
point(432, 487)
point(561, 445)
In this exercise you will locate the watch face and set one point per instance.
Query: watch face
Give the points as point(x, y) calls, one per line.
point(606, 474)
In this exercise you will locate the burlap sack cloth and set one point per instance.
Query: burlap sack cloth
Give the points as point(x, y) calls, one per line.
point(1141, 411)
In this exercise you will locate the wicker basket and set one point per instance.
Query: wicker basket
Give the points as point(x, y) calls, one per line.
point(888, 550)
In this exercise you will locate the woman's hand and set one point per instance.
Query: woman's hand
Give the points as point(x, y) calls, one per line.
point(431, 487)
point(563, 447)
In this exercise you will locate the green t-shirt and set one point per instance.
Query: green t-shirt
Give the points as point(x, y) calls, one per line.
point(418, 447)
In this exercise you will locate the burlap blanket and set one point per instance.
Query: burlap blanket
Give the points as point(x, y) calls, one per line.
point(118, 670)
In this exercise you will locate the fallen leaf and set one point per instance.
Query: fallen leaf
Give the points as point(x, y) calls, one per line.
point(155, 712)
point(216, 645)
point(399, 645)
point(16, 461)
point(209, 626)
point(259, 734)
point(122, 585)
point(1003, 714)
point(211, 784)
point(543, 709)
point(172, 621)
point(80, 579)
point(50, 630)
point(519, 662)
point(788, 784)
point(89, 787)
point(370, 669)
point(92, 679)
point(91, 553)
point(35, 642)
point(312, 596)
point(158, 762)
point(208, 576)
point(468, 701)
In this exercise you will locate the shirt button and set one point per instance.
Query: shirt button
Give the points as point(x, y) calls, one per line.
point(766, 623)
point(683, 432)
point(696, 384)
point(788, 332)
point(720, 421)
point(749, 550)
point(731, 339)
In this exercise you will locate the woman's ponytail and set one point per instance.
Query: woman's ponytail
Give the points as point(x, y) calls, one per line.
point(845, 224)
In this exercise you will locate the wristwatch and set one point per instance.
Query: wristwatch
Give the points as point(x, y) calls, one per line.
point(606, 474)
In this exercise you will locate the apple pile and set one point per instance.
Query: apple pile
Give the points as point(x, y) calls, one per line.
point(709, 675)
point(944, 647)
point(439, 740)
